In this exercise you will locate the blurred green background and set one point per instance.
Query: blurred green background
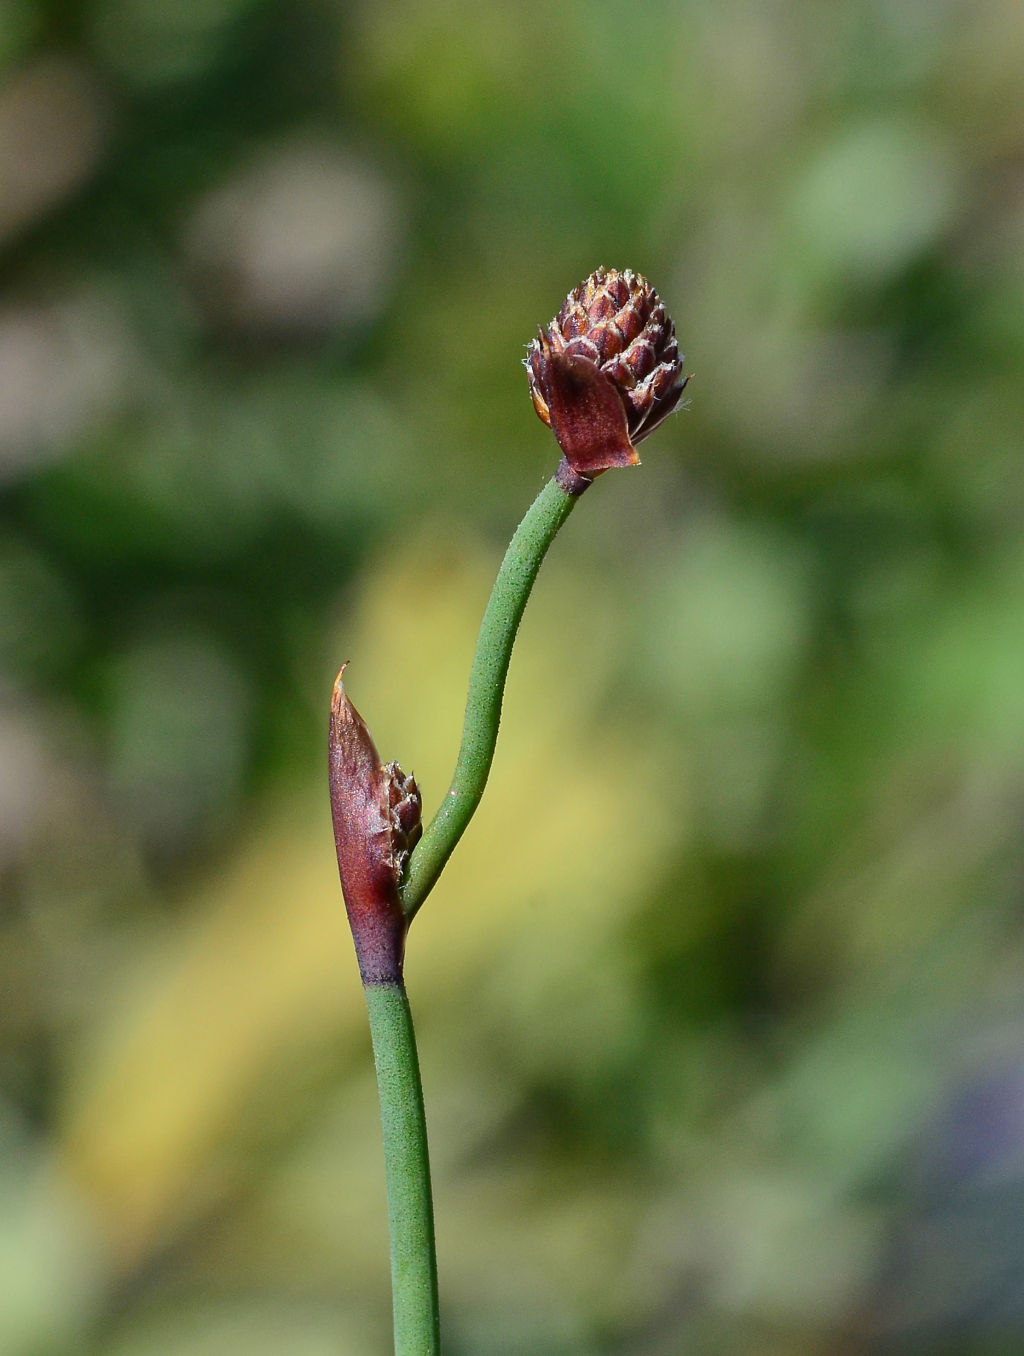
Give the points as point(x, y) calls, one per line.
point(722, 999)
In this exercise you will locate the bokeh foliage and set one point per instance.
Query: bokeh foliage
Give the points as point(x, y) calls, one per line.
point(721, 999)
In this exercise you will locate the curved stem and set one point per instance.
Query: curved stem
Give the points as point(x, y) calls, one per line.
point(410, 1207)
point(487, 684)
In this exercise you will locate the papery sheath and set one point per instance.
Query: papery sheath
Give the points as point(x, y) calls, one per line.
point(376, 812)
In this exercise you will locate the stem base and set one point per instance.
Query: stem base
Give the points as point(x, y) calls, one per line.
point(410, 1207)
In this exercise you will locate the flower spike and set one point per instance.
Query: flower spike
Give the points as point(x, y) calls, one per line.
point(606, 373)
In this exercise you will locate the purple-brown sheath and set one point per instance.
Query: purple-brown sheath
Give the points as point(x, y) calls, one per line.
point(376, 811)
point(606, 374)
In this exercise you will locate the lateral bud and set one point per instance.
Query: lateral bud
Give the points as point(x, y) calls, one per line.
point(376, 810)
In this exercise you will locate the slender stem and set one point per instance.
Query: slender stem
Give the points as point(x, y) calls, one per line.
point(486, 686)
point(410, 1208)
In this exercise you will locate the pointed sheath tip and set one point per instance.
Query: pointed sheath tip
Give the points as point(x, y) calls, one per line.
point(348, 733)
point(339, 697)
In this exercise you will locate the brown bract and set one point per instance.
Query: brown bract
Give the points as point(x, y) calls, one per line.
point(376, 811)
point(607, 372)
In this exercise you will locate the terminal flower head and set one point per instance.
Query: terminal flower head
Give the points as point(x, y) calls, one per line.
point(606, 372)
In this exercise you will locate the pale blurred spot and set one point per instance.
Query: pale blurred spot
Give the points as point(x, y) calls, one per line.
point(737, 762)
point(847, 1099)
point(875, 198)
point(720, 641)
point(306, 239)
point(727, 620)
point(899, 887)
point(61, 365)
point(63, 368)
point(51, 1262)
point(749, 73)
point(28, 778)
point(785, 1246)
point(995, 245)
point(761, 286)
point(52, 132)
point(948, 798)
point(980, 85)
point(787, 386)
point(801, 393)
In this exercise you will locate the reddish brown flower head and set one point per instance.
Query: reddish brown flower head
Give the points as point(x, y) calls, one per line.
point(376, 812)
point(607, 372)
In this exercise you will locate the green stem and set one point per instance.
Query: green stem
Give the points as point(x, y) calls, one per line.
point(410, 1209)
point(486, 687)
